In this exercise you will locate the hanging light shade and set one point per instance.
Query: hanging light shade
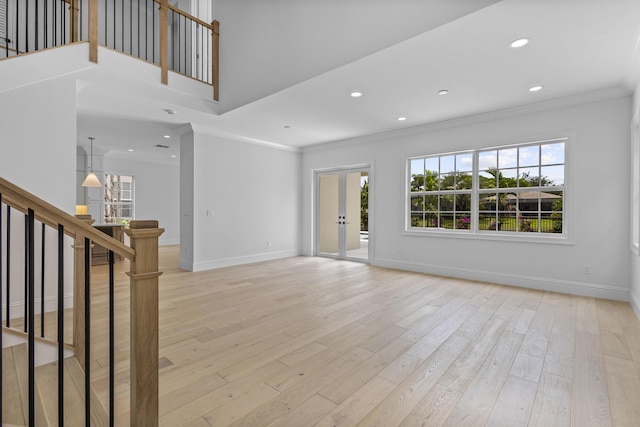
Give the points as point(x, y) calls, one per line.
point(91, 180)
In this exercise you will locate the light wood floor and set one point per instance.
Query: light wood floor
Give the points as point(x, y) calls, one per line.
point(318, 342)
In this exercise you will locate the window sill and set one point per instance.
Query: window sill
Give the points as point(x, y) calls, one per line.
point(560, 239)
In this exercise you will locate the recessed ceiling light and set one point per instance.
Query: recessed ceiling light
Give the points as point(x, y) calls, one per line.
point(356, 94)
point(171, 112)
point(130, 149)
point(535, 88)
point(173, 156)
point(167, 136)
point(443, 92)
point(287, 127)
point(402, 119)
point(519, 42)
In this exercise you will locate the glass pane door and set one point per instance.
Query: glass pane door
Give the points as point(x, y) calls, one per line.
point(342, 217)
point(328, 233)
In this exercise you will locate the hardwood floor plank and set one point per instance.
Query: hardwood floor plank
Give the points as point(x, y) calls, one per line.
point(552, 405)
point(514, 404)
point(340, 389)
point(434, 408)
point(477, 401)
point(537, 338)
point(307, 414)
point(587, 316)
point(298, 355)
point(590, 404)
point(401, 368)
point(398, 404)
point(464, 369)
point(296, 395)
point(623, 384)
point(226, 414)
point(615, 345)
point(607, 317)
point(560, 352)
point(234, 341)
point(527, 367)
point(357, 405)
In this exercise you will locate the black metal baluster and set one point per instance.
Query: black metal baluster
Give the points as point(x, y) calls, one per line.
point(131, 27)
point(106, 28)
point(26, 271)
point(36, 48)
point(146, 30)
point(17, 28)
point(1, 346)
point(8, 271)
point(31, 298)
point(87, 331)
point(185, 45)
point(42, 285)
point(55, 25)
point(26, 28)
point(60, 325)
point(46, 21)
point(63, 16)
point(153, 35)
point(173, 39)
point(122, 29)
point(177, 42)
point(6, 31)
point(138, 53)
point(112, 340)
point(114, 26)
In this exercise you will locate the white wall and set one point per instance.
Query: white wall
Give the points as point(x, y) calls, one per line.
point(38, 153)
point(252, 196)
point(598, 171)
point(156, 194)
point(635, 257)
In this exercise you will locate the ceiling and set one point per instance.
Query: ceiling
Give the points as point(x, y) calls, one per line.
point(575, 47)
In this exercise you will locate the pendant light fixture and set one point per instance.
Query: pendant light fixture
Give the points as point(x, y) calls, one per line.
point(91, 180)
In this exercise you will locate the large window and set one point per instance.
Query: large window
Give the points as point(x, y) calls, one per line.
point(118, 199)
point(511, 189)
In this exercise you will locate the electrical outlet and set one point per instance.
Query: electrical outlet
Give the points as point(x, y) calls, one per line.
point(269, 244)
point(586, 269)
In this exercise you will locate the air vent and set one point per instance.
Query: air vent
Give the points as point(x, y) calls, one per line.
point(161, 146)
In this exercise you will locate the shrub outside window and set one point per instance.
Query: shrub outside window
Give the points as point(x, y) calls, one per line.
point(506, 190)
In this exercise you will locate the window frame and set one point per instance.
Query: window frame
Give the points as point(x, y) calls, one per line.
point(474, 232)
point(121, 203)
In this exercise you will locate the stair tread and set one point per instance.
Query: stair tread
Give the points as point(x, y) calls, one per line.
point(12, 413)
point(15, 392)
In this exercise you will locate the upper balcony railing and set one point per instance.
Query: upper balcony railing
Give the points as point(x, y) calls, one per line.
point(151, 30)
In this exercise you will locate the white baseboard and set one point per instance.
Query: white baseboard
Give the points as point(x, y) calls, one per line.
point(230, 262)
point(50, 304)
point(168, 242)
point(540, 283)
point(634, 301)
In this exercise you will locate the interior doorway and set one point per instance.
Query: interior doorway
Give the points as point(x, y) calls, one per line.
point(342, 215)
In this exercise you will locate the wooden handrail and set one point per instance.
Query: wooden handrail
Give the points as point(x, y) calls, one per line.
point(22, 200)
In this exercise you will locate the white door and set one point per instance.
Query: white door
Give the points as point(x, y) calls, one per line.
point(342, 226)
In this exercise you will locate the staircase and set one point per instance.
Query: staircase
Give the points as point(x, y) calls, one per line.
point(15, 391)
point(45, 380)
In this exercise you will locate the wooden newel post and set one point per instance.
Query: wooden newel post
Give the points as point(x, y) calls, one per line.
point(215, 59)
point(78, 292)
point(144, 276)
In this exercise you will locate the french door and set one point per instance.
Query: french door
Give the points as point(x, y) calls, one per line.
point(342, 216)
